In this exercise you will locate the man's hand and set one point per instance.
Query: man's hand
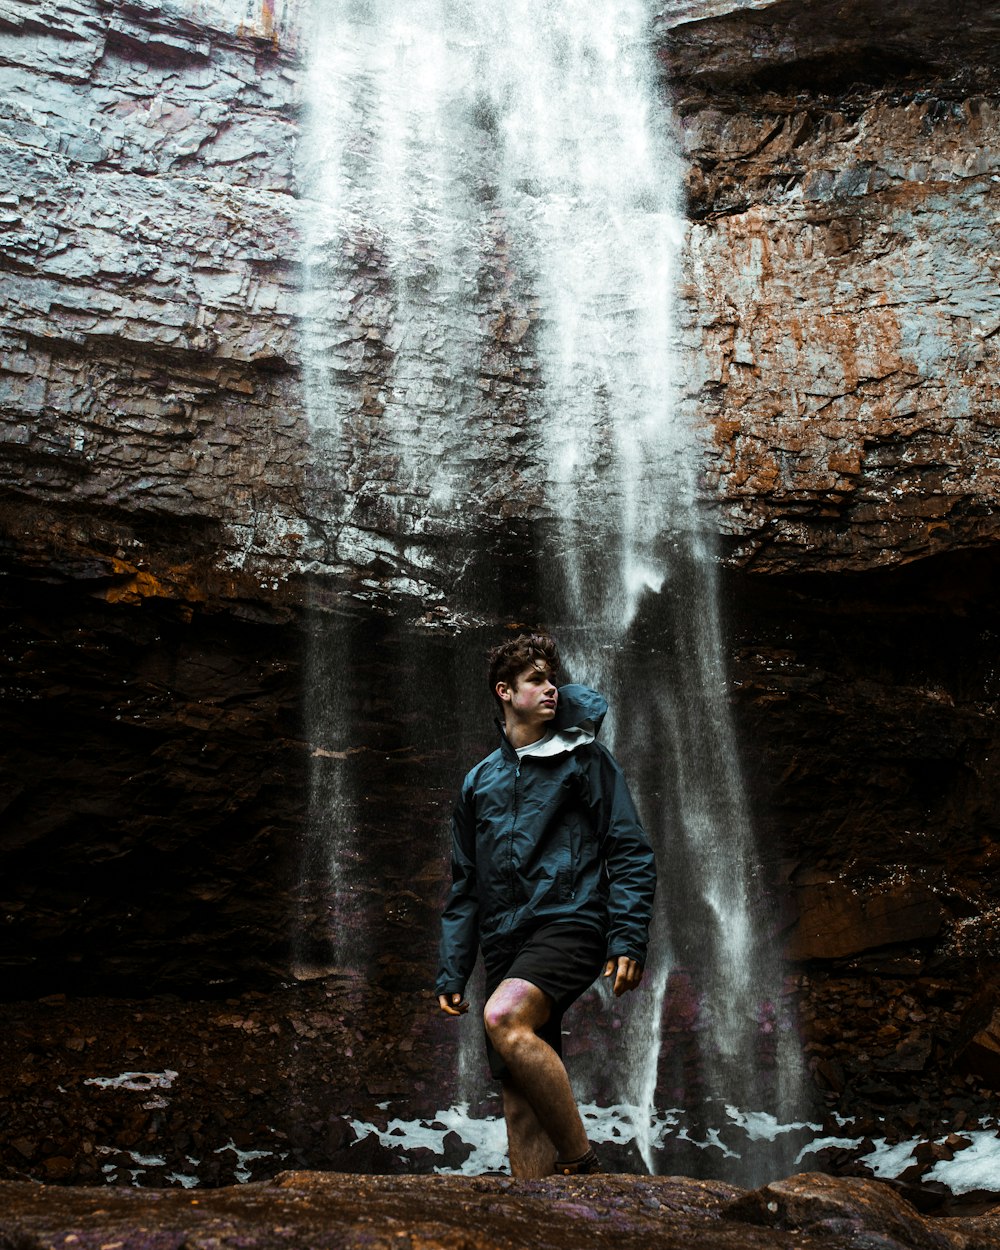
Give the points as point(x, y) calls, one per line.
point(627, 974)
point(453, 1004)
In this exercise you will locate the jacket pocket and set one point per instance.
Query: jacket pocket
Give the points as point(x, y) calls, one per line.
point(569, 869)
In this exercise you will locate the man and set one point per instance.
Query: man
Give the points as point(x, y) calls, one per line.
point(553, 877)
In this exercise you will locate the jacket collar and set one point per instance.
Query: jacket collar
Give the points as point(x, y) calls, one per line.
point(506, 749)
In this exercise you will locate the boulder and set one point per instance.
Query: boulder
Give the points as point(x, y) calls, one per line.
point(837, 920)
point(858, 1211)
point(979, 1048)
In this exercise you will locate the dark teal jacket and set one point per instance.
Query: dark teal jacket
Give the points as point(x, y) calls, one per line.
point(545, 838)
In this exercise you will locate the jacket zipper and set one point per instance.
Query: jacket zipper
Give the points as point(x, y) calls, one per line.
point(510, 834)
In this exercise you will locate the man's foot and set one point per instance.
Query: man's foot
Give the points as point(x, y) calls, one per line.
point(584, 1166)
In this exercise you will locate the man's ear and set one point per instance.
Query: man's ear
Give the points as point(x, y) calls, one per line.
point(503, 691)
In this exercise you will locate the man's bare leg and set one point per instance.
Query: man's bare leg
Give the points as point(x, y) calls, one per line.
point(515, 1010)
point(530, 1148)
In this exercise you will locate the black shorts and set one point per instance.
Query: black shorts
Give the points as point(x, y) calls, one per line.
point(563, 959)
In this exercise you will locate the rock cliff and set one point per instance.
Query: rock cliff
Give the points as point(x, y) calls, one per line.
point(838, 328)
point(149, 396)
point(172, 558)
point(840, 314)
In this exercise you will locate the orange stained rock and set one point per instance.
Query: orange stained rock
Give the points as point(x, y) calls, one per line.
point(725, 430)
point(266, 25)
point(141, 584)
point(845, 460)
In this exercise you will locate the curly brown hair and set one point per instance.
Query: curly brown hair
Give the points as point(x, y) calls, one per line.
point(509, 659)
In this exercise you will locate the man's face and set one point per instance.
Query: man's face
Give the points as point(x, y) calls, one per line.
point(532, 696)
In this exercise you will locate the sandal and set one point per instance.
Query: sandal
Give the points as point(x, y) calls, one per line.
point(584, 1166)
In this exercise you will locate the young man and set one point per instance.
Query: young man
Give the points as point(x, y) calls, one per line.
point(553, 878)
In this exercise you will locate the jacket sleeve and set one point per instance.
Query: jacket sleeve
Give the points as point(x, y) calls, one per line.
point(631, 866)
point(460, 921)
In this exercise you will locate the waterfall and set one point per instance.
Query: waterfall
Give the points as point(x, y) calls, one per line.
point(439, 134)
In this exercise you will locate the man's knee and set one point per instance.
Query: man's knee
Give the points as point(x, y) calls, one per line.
point(515, 1008)
point(501, 1019)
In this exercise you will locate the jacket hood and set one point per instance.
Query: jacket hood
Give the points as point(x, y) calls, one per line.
point(577, 721)
point(579, 707)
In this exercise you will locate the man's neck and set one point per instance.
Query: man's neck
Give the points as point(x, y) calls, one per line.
point(520, 734)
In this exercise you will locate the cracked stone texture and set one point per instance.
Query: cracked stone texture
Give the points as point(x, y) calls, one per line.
point(840, 311)
point(838, 320)
point(149, 292)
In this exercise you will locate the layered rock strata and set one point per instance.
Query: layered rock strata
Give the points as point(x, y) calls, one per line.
point(840, 320)
point(147, 385)
point(837, 321)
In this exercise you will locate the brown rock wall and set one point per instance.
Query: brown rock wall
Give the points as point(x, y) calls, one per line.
point(152, 790)
point(836, 919)
point(838, 313)
point(836, 319)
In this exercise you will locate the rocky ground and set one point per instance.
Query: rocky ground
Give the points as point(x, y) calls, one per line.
point(221, 1091)
point(808, 1212)
point(168, 1093)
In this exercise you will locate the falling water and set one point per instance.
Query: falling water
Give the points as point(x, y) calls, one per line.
point(590, 189)
point(390, 335)
point(415, 106)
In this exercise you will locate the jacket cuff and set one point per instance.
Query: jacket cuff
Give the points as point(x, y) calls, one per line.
point(449, 987)
point(617, 949)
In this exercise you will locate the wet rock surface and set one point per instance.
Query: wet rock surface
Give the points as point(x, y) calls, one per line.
point(980, 1053)
point(123, 713)
point(841, 344)
point(192, 867)
point(300, 1208)
point(860, 1212)
point(338, 1074)
point(866, 707)
point(167, 1092)
point(836, 321)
